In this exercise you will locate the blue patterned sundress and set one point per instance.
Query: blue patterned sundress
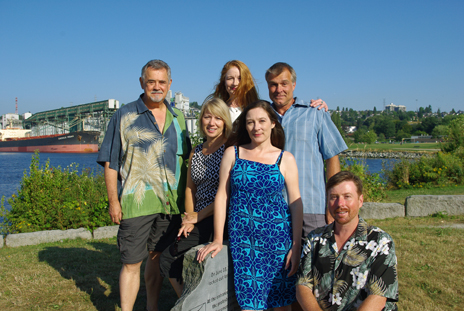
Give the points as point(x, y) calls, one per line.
point(260, 235)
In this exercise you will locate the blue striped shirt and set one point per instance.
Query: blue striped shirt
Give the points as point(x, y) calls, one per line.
point(312, 137)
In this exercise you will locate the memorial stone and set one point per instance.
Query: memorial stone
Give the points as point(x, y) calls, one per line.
point(209, 285)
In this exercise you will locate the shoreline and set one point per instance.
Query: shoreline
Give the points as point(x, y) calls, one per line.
point(384, 154)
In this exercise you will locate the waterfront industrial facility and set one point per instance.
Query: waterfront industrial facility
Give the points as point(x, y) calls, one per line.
point(85, 117)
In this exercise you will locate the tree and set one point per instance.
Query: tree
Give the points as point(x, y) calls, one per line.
point(455, 138)
point(363, 136)
point(410, 115)
point(358, 135)
point(370, 137)
point(400, 135)
point(428, 124)
point(440, 130)
point(195, 105)
point(338, 123)
point(421, 112)
point(447, 119)
point(386, 126)
point(407, 128)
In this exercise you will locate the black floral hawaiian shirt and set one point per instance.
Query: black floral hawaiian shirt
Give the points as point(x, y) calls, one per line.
point(342, 280)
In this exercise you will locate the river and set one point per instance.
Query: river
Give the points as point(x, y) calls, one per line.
point(13, 165)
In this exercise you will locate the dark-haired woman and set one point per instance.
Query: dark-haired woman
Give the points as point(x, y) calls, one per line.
point(264, 231)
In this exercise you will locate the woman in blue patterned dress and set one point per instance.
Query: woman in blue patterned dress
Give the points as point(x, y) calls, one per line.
point(264, 231)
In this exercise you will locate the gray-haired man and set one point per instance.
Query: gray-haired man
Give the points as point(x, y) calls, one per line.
point(143, 154)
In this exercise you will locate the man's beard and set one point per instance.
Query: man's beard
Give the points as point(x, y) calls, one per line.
point(156, 97)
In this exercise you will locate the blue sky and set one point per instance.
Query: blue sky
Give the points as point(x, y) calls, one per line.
point(354, 54)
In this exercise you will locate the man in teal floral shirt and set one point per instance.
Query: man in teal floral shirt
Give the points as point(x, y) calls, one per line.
point(144, 153)
point(347, 265)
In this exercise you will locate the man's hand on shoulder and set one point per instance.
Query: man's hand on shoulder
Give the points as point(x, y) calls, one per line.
point(320, 104)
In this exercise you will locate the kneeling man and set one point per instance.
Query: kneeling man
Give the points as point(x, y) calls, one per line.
point(347, 265)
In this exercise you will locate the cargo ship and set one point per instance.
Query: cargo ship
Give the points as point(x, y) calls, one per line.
point(14, 140)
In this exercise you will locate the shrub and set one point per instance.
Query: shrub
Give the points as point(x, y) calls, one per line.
point(373, 183)
point(436, 171)
point(55, 198)
point(454, 140)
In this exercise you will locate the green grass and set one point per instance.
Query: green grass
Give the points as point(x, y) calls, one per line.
point(83, 275)
point(429, 147)
point(399, 196)
point(73, 275)
point(430, 266)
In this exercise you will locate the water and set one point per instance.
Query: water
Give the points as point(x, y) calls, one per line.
point(374, 165)
point(13, 164)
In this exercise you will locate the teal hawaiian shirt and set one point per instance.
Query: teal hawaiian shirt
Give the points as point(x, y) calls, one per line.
point(342, 279)
point(151, 162)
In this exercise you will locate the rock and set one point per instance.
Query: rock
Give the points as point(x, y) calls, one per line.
point(208, 285)
point(105, 232)
point(424, 205)
point(383, 154)
point(371, 210)
point(1, 241)
point(33, 238)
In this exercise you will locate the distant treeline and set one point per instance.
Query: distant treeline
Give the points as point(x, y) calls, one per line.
point(372, 125)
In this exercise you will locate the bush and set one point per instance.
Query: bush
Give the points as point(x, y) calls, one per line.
point(373, 183)
point(455, 138)
point(440, 170)
point(55, 198)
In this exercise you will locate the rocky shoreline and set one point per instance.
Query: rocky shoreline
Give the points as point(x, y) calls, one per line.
point(383, 154)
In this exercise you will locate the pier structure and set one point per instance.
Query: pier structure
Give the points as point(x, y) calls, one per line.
point(93, 116)
point(86, 117)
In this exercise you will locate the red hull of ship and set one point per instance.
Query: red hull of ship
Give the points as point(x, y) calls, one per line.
point(90, 148)
point(75, 142)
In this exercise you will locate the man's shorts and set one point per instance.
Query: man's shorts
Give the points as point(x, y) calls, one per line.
point(311, 222)
point(137, 236)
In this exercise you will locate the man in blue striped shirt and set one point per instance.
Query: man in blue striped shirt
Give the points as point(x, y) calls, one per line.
point(312, 137)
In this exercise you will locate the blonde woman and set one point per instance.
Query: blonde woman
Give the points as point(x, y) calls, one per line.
point(202, 184)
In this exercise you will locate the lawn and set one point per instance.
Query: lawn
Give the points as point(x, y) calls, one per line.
point(72, 275)
point(399, 195)
point(83, 275)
